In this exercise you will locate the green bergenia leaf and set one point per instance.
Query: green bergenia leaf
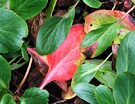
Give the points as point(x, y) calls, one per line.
point(27, 8)
point(5, 73)
point(104, 95)
point(53, 32)
point(2, 3)
point(7, 99)
point(86, 92)
point(34, 96)
point(97, 41)
point(124, 87)
point(126, 54)
point(12, 29)
point(93, 3)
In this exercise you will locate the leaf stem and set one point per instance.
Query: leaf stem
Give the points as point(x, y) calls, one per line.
point(115, 3)
point(127, 13)
point(105, 60)
point(12, 60)
point(26, 74)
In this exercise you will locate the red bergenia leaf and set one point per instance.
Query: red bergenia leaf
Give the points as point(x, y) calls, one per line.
point(42, 65)
point(66, 59)
point(101, 17)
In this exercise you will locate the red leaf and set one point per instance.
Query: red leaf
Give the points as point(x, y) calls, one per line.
point(66, 59)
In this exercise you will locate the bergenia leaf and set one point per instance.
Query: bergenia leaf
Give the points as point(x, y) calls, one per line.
point(101, 17)
point(7, 99)
point(5, 73)
point(66, 59)
point(97, 41)
point(53, 32)
point(27, 8)
point(123, 90)
point(2, 3)
point(93, 3)
point(126, 53)
point(34, 96)
point(12, 29)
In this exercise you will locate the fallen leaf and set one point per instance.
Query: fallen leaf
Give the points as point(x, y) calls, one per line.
point(69, 94)
point(42, 68)
point(66, 59)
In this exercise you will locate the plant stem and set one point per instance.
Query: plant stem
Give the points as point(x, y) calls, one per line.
point(12, 60)
point(26, 74)
point(115, 3)
point(127, 13)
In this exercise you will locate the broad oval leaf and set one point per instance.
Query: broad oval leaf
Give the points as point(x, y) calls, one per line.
point(86, 92)
point(126, 54)
point(101, 17)
point(5, 73)
point(124, 87)
point(2, 3)
point(53, 32)
point(12, 29)
point(104, 95)
point(34, 96)
point(27, 8)
point(104, 74)
point(66, 59)
point(84, 73)
point(97, 41)
point(7, 99)
point(93, 3)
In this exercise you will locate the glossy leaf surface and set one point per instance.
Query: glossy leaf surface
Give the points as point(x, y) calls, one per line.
point(84, 73)
point(86, 92)
point(66, 59)
point(126, 54)
point(27, 8)
point(105, 74)
point(104, 95)
point(34, 96)
point(7, 99)
point(93, 3)
point(12, 29)
point(53, 32)
point(2, 3)
point(101, 17)
point(124, 87)
point(5, 73)
point(97, 41)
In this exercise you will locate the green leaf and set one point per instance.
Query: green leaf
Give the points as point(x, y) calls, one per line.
point(12, 29)
point(34, 96)
point(7, 99)
point(104, 95)
point(126, 54)
point(97, 41)
point(86, 92)
point(11, 54)
point(27, 8)
point(133, 1)
point(16, 65)
point(5, 73)
point(3, 3)
point(93, 3)
point(53, 32)
point(50, 8)
point(104, 74)
point(124, 88)
point(2, 93)
point(24, 51)
point(84, 73)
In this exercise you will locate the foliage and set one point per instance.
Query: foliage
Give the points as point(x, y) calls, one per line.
point(64, 51)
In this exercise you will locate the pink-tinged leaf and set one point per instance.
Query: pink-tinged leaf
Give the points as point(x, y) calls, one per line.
point(42, 66)
point(101, 17)
point(66, 59)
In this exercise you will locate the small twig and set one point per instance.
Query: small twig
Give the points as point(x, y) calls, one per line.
point(26, 74)
point(114, 5)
